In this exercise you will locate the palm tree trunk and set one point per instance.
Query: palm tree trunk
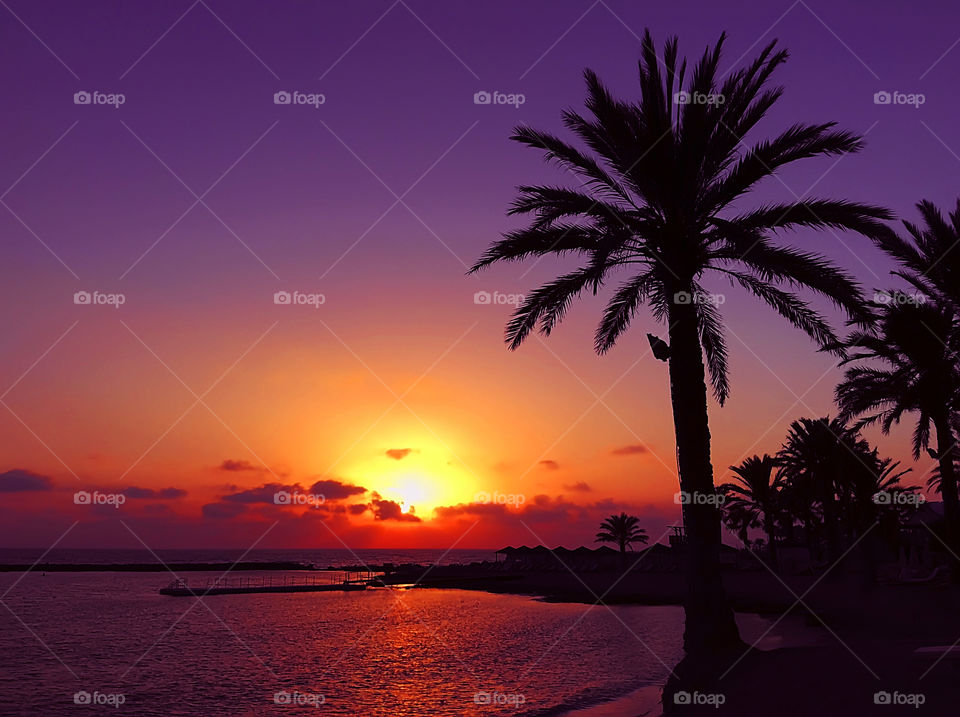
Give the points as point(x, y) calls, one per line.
point(771, 545)
point(710, 625)
point(948, 484)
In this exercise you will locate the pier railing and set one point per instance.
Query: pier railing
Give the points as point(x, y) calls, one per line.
point(254, 582)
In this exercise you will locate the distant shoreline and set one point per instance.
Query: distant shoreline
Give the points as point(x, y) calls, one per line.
point(157, 567)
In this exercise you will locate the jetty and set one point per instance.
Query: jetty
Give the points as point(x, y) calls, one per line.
point(341, 581)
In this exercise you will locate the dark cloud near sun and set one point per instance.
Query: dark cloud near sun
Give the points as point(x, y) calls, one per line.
point(398, 454)
point(336, 490)
point(391, 510)
point(634, 449)
point(580, 486)
point(19, 480)
point(331, 490)
point(549, 465)
point(261, 494)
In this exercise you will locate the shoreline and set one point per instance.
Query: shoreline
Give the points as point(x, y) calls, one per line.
point(156, 567)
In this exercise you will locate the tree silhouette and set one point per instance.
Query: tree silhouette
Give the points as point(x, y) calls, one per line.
point(660, 178)
point(906, 365)
point(757, 493)
point(623, 530)
point(815, 461)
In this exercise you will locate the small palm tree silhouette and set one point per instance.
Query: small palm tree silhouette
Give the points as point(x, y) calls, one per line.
point(623, 530)
point(756, 492)
point(661, 176)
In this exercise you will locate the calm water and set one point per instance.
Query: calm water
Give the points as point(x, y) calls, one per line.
point(379, 652)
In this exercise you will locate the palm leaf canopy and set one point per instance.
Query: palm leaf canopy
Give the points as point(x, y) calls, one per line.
point(623, 529)
point(904, 365)
point(660, 178)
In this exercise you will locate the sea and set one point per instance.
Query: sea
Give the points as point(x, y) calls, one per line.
point(106, 643)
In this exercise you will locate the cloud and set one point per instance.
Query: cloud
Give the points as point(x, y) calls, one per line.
point(398, 454)
point(18, 480)
point(261, 494)
point(391, 510)
point(161, 494)
point(549, 465)
point(579, 486)
point(331, 490)
point(237, 466)
point(222, 510)
point(631, 450)
point(336, 490)
point(358, 508)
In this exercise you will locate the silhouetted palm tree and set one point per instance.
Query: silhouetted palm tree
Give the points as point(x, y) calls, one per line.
point(930, 262)
point(815, 461)
point(757, 491)
point(740, 520)
point(660, 178)
point(934, 481)
point(908, 367)
point(872, 490)
point(623, 530)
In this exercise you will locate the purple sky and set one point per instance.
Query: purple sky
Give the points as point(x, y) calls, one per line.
point(307, 198)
